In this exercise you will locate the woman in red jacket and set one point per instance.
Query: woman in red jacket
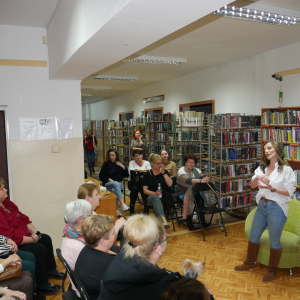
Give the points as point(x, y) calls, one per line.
point(20, 229)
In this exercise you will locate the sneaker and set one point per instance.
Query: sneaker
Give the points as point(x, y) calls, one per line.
point(118, 213)
point(124, 207)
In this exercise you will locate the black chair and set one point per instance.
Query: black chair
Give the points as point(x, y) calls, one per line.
point(68, 271)
point(70, 295)
point(83, 293)
point(212, 209)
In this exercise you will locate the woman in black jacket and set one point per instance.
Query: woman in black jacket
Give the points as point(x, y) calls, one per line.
point(111, 175)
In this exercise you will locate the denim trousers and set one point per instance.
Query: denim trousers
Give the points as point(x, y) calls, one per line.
point(90, 155)
point(268, 214)
point(116, 188)
point(158, 208)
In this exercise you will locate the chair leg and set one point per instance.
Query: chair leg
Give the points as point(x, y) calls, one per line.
point(63, 282)
point(173, 218)
point(176, 216)
point(223, 223)
point(198, 214)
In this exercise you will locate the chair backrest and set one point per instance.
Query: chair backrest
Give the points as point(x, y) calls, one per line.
point(66, 265)
point(84, 295)
point(293, 221)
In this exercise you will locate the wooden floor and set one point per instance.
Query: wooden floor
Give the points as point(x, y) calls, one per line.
point(221, 254)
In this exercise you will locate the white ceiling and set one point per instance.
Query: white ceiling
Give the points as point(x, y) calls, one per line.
point(206, 43)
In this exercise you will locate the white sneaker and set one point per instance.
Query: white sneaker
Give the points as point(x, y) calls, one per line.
point(124, 207)
point(118, 213)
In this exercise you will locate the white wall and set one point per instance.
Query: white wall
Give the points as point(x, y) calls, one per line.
point(243, 86)
point(42, 181)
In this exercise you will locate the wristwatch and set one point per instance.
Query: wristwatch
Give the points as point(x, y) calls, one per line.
point(273, 190)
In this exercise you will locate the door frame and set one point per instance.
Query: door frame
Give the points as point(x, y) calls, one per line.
point(4, 109)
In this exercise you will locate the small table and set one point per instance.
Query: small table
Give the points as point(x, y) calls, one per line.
point(108, 205)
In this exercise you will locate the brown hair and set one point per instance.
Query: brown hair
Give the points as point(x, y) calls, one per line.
point(167, 153)
point(186, 289)
point(280, 156)
point(94, 228)
point(189, 156)
point(137, 151)
point(107, 155)
point(2, 181)
point(136, 132)
point(86, 189)
point(145, 233)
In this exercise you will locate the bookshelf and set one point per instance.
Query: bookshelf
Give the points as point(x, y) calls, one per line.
point(234, 145)
point(283, 125)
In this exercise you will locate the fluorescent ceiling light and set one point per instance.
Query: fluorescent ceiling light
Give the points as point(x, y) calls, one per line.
point(95, 88)
point(86, 94)
point(159, 60)
point(257, 16)
point(115, 77)
point(154, 99)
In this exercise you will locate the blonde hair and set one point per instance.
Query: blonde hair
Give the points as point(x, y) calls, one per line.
point(2, 181)
point(94, 228)
point(154, 157)
point(144, 233)
point(86, 189)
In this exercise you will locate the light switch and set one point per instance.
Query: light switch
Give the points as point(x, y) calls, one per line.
point(55, 149)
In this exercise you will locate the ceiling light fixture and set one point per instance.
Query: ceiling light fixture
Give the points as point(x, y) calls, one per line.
point(115, 77)
point(86, 94)
point(159, 60)
point(256, 15)
point(96, 88)
point(154, 99)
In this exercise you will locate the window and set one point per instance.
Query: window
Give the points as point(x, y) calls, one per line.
point(156, 111)
point(208, 107)
point(127, 115)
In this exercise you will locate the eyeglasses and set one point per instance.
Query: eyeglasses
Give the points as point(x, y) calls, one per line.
point(160, 163)
point(167, 236)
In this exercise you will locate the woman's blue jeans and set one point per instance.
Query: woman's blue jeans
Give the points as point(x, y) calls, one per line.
point(268, 214)
point(158, 208)
point(116, 188)
point(90, 155)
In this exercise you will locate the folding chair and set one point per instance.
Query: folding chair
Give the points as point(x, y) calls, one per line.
point(81, 289)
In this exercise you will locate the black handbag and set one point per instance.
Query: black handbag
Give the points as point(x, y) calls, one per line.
point(136, 177)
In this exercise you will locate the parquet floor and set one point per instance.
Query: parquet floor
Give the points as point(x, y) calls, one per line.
point(221, 254)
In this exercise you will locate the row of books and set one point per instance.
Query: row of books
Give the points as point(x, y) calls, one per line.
point(297, 175)
point(229, 154)
point(161, 126)
point(291, 152)
point(297, 196)
point(236, 201)
point(286, 134)
point(236, 120)
point(188, 148)
point(287, 117)
point(236, 169)
point(158, 148)
point(190, 121)
point(188, 135)
point(237, 137)
point(233, 186)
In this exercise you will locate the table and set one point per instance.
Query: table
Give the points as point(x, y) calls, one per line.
point(108, 205)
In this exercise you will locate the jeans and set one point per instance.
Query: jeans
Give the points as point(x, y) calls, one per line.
point(158, 208)
point(268, 214)
point(28, 264)
point(90, 155)
point(116, 188)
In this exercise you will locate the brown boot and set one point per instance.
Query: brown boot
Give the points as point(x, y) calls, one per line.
point(249, 263)
point(275, 255)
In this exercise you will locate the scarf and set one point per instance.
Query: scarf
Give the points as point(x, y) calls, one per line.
point(72, 234)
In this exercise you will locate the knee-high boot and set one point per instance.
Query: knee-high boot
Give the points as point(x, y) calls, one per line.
point(249, 263)
point(275, 255)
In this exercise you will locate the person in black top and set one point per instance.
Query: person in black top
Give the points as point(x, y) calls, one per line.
point(93, 260)
point(159, 199)
point(112, 173)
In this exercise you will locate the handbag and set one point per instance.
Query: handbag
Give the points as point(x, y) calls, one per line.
point(95, 147)
point(11, 272)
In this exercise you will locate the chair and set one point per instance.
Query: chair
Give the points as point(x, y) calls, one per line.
point(211, 209)
point(81, 289)
point(70, 295)
point(290, 239)
point(68, 270)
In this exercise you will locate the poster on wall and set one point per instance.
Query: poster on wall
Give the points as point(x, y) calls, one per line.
point(64, 127)
point(99, 129)
point(28, 129)
point(46, 128)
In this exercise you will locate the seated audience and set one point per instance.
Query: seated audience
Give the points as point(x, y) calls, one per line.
point(159, 199)
point(100, 235)
point(134, 274)
point(73, 242)
point(90, 192)
point(20, 229)
point(112, 174)
point(9, 248)
point(135, 185)
point(17, 287)
point(186, 289)
point(169, 165)
point(190, 179)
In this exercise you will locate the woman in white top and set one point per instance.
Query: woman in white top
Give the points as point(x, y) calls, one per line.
point(276, 182)
point(133, 185)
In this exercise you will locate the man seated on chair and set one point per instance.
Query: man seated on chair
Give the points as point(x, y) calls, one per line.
point(190, 179)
